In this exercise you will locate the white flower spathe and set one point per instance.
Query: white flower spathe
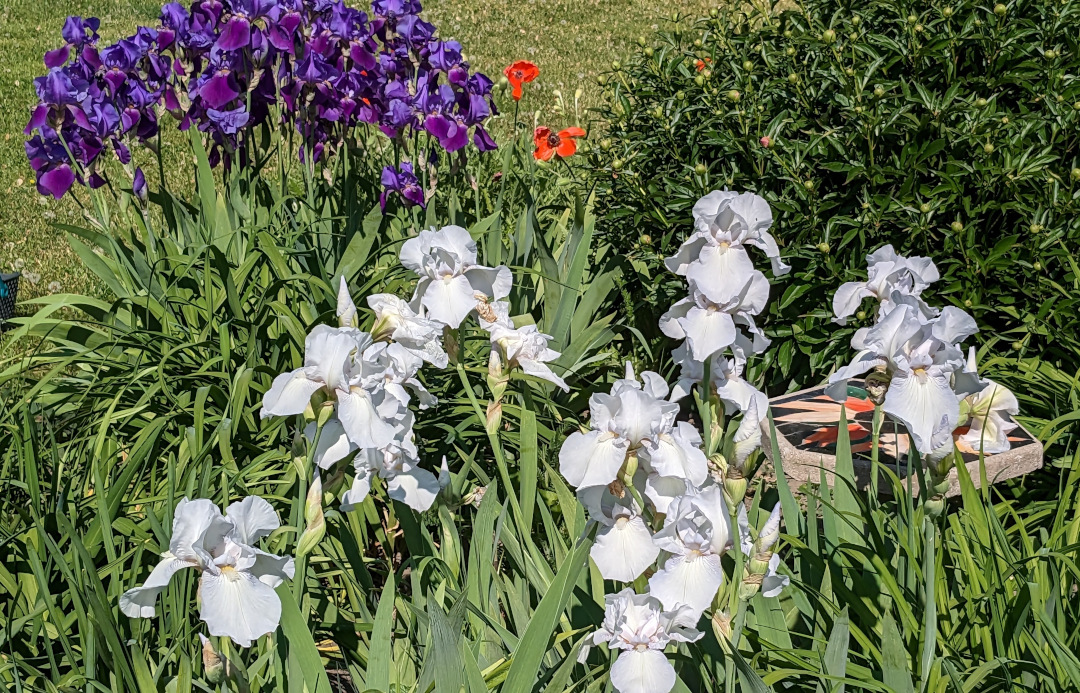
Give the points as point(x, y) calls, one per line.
point(641, 629)
point(708, 322)
point(398, 464)
point(696, 533)
point(724, 222)
point(772, 582)
point(988, 426)
point(238, 580)
point(624, 546)
point(522, 347)
point(635, 418)
point(889, 274)
point(450, 280)
point(331, 366)
point(394, 318)
point(919, 358)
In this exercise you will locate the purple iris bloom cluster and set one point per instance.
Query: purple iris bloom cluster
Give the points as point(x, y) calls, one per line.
point(227, 66)
point(402, 181)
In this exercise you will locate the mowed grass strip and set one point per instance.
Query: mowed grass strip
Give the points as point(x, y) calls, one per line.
point(571, 40)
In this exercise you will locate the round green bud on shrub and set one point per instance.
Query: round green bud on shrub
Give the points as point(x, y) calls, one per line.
point(697, 43)
point(790, 51)
point(714, 13)
point(968, 303)
point(1005, 120)
point(858, 110)
point(617, 164)
point(1000, 9)
point(823, 248)
point(707, 74)
point(918, 28)
point(957, 226)
point(853, 36)
point(947, 12)
point(1050, 54)
point(699, 80)
point(1035, 229)
point(641, 41)
point(748, 66)
point(865, 205)
point(828, 36)
point(861, 315)
point(645, 239)
point(1017, 346)
point(649, 52)
point(1076, 106)
point(911, 19)
point(879, 92)
point(605, 144)
point(988, 148)
point(924, 208)
point(788, 33)
point(615, 65)
point(793, 78)
point(680, 96)
point(1075, 174)
point(700, 169)
point(734, 95)
point(658, 113)
point(1037, 266)
point(601, 80)
point(809, 185)
point(855, 20)
point(980, 103)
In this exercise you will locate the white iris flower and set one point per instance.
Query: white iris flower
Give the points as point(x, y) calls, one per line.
point(522, 347)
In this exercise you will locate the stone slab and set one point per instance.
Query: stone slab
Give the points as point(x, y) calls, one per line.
point(807, 424)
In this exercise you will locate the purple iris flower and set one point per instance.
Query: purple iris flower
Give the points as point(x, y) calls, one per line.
point(229, 122)
point(451, 131)
point(220, 90)
point(237, 31)
point(402, 181)
point(444, 55)
point(76, 28)
point(414, 30)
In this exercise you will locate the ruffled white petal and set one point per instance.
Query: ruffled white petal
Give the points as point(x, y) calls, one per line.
point(691, 580)
point(139, 602)
point(642, 671)
point(253, 518)
point(238, 605)
point(592, 459)
point(624, 550)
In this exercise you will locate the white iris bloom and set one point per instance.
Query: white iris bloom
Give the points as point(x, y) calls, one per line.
point(331, 366)
point(635, 418)
point(238, 580)
point(696, 533)
point(708, 322)
point(919, 358)
point(641, 629)
point(725, 222)
point(398, 464)
point(522, 347)
point(990, 410)
point(451, 282)
point(772, 582)
point(727, 382)
point(889, 275)
point(624, 545)
point(395, 319)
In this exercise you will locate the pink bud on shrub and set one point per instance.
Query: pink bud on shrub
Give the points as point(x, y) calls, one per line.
point(766, 141)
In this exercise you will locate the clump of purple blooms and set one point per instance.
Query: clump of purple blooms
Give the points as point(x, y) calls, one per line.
point(227, 66)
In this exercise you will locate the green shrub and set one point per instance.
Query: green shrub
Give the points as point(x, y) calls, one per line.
point(946, 129)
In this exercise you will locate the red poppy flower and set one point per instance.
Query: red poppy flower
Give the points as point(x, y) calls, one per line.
point(549, 143)
point(519, 73)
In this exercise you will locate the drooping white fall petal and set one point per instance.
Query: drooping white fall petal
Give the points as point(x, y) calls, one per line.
point(624, 547)
point(522, 347)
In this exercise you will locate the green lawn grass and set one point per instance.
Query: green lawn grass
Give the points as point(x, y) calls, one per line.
point(571, 41)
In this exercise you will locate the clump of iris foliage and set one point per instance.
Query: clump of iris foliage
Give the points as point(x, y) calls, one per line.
point(356, 413)
point(941, 128)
